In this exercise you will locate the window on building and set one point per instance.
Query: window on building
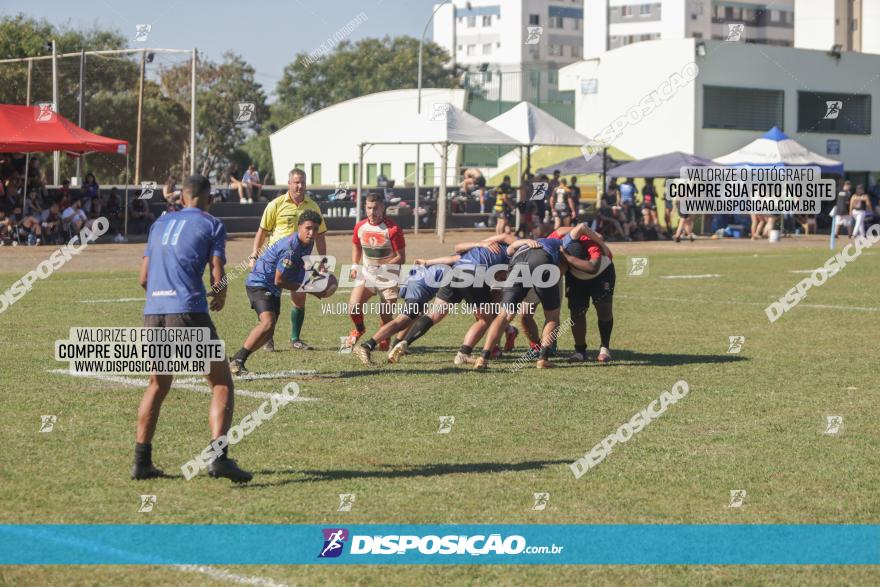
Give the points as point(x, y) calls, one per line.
point(316, 174)
point(577, 24)
point(626, 11)
point(344, 176)
point(487, 48)
point(742, 108)
point(555, 50)
point(471, 50)
point(385, 169)
point(645, 9)
point(575, 51)
point(855, 24)
point(299, 166)
point(354, 172)
point(698, 35)
point(471, 22)
point(816, 111)
point(534, 19)
point(372, 173)
point(409, 172)
point(428, 174)
point(487, 20)
point(556, 22)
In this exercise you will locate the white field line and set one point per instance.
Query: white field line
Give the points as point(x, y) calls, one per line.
point(117, 300)
point(222, 575)
point(702, 276)
point(203, 388)
point(256, 376)
point(734, 302)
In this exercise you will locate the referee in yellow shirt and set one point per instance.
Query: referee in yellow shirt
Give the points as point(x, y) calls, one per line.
point(280, 219)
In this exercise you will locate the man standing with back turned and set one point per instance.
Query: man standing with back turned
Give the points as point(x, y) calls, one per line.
point(180, 246)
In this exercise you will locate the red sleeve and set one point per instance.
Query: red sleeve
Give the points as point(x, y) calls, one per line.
point(594, 251)
point(397, 240)
point(354, 237)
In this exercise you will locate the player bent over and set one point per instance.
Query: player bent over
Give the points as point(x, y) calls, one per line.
point(180, 246)
point(282, 266)
point(532, 258)
point(420, 288)
point(377, 242)
point(469, 257)
point(590, 274)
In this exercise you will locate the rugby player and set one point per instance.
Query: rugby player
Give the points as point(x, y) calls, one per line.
point(376, 242)
point(280, 219)
point(281, 266)
point(590, 274)
point(180, 246)
point(530, 257)
point(421, 286)
point(469, 256)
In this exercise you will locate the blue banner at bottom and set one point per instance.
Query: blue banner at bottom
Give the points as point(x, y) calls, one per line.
point(264, 544)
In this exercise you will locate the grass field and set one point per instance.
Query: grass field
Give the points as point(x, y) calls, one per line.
point(752, 421)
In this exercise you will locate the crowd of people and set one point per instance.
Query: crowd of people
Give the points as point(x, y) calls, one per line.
point(53, 216)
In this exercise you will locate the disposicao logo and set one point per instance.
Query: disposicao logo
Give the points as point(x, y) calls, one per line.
point(334, 540)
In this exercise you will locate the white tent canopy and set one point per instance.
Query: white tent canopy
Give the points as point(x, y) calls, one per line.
point(443, 125)
point(775, 148)
point(530, 125)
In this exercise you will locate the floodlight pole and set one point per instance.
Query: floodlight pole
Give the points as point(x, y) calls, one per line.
point(56, 161)
point(140, 116)
point(441, 197)
point(79, 122)
point(192, 116)
point(360, 183)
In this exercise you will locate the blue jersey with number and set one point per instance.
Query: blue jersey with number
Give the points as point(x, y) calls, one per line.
point(285, 255)
point(423, 283)
point(179, 248)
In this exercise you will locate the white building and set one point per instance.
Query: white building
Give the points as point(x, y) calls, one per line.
point(852, 25)
point(640, 99)
point(609, 24)
point(493, 37)
point(325, 143)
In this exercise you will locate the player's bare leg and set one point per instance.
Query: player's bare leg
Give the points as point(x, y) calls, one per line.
point(148, 415)
point(363, 351)
point(415, 330)
point(359, 296)
point(496, 329)
point(548, 336)
point(579, 334)
point(482, 322)
point(220, 419)
point(259, 335)
point(605, 317)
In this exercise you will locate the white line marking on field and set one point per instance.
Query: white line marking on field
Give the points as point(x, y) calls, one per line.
point(256, 376)
point(738, 303)
point(804, 270)
point(203, 388)
point(117, 300)
point(222, 575)
point(702, 276)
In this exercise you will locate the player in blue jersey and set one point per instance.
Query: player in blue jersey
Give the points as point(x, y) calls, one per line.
point(286, 264)
point(531, 261)
point(180, 246)
point(421, 285)
point(471, 283)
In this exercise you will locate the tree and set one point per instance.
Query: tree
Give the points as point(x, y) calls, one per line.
point(355, 69)
point(221, 87)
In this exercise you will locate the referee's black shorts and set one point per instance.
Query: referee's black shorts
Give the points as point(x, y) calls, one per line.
point(263, 300)
point(514, 294)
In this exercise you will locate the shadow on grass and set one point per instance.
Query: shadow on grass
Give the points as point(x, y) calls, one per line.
point(398, 472)
point(671, 359)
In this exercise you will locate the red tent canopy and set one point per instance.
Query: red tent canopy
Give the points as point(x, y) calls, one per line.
point(30, 129)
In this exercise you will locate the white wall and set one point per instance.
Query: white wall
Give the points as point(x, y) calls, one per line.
point(331, 136)
point(625, 76)
point(814, 24)
point(870, 23)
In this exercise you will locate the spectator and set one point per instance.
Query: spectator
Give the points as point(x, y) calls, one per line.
point(251, 181)
point(170, 191)
point(113, 211)
point(685, 226)
point(8, 201)
point(63, 196)
point(606, 219)
point(541, 204)
point(28, 226)
point(574, 199)
point(649, 205)
point(95, 208)
point(667, 208)
point(140, 215)
point(90, 189)
point(6, 227)
point(561, 205)
point(74, 218)
point(628, 191)
point(233, 173)
point(37, 181)
point(628, 220)
point(842, 212)
point(503, 209)
point(859, 208)
point(32, 205)
point(51, 223)
point(527, 207)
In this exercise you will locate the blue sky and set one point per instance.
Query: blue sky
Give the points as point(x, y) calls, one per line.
point(267, 34)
